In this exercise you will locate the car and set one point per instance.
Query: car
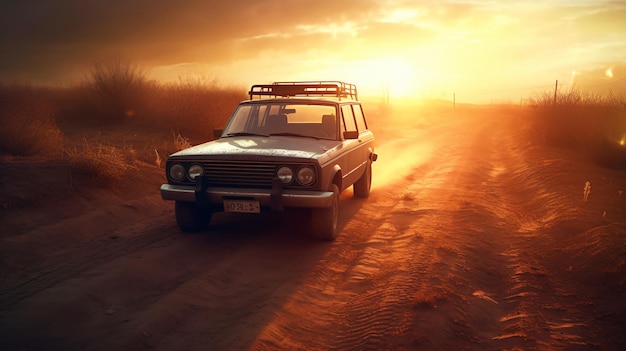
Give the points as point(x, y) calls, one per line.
point(291, 145)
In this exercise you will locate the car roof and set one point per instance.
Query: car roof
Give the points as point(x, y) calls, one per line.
point(301, 101)
point(309, 89)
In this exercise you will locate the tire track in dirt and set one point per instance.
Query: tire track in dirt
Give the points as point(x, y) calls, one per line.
point(450, 259)
point(452, 256)
point(384, 272)
point(543, 312)
point(71, 260)
point(147, 295)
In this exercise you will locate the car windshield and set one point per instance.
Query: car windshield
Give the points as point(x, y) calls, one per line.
point(284, 119)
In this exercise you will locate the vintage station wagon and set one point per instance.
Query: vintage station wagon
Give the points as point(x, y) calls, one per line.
point(292, 145)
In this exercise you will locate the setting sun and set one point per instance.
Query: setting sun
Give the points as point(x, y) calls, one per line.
point(390, 77)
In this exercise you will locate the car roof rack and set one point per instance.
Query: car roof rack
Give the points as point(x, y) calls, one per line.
point(311, 88)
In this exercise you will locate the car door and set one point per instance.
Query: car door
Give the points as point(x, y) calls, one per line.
point(366, 137)
point(351, 147)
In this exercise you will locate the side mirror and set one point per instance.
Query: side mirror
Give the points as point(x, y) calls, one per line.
point(353, 134)
point(218, 133)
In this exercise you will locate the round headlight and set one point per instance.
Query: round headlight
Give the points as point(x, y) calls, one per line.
point(195, 171)
point(285, 174)
point(177, 172)
point(305, 176)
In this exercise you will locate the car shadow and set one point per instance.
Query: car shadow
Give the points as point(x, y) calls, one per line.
point(291, 224)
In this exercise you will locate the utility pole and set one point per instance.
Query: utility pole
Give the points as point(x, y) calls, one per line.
point(556, 88)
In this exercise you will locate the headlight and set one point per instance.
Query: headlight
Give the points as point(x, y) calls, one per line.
point(177, 172)
point(285, 174)
point(306, 176)
point(195, 171)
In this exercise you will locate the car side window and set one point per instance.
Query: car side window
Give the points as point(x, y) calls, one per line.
point(348, 118)
point(360, 118)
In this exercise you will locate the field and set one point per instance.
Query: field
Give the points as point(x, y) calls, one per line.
point(489, 227)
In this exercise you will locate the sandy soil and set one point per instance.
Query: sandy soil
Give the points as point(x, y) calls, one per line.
point(473, 239)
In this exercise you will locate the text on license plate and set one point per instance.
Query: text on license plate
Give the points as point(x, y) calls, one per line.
point(245, 206)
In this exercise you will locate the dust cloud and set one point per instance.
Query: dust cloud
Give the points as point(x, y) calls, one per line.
point(398, 159)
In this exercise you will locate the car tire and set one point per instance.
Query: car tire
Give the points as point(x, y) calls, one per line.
point(191, 217)
point(325, 220)
point(363, 186)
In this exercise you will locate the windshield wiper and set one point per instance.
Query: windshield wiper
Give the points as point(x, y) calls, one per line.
point(294, 135)
point(243, 134)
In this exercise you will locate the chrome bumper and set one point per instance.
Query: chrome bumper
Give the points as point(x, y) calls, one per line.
point(287, 198)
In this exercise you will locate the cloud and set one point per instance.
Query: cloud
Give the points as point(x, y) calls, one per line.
point(68, 32)
point(456, 42)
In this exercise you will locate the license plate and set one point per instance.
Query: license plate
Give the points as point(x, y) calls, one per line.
point(242, 206)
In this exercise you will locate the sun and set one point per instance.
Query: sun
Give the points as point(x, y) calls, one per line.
point(385, 77)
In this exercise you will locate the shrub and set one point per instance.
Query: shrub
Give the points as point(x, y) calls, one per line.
point(113, 92)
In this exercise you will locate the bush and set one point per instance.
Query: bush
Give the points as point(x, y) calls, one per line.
point(112, 92)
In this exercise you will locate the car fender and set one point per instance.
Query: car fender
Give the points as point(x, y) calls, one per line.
point(335, 176)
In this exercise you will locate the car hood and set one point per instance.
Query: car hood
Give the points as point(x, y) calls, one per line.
point(255, 147)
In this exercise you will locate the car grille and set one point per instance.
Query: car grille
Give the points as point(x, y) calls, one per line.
point(239, 174)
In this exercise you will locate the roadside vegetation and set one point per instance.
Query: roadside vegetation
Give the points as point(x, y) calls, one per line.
point(114, 119)
point(590, 124)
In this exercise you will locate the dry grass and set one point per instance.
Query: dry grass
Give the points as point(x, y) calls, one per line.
point(36, 121)
point(192, 107)
point(27, 125)
point(102, 163)
point(114, 93)
point(181, 142)
point(591, 124)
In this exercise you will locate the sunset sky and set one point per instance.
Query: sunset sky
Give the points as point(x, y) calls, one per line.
point(480, 51)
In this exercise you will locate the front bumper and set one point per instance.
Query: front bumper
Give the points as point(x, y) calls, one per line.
point(266, 197)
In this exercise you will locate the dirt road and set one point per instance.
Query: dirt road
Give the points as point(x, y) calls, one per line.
point(473, 239)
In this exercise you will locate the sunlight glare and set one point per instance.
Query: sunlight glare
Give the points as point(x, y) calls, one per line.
point(571, 82)
point(609, 72)
point(399, 16)
point(391, 76)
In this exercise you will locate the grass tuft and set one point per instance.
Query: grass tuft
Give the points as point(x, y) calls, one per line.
point(104, 164)
point(181, 142)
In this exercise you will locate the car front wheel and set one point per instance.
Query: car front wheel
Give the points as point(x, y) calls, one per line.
point(191, 217)
point(324, 220)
